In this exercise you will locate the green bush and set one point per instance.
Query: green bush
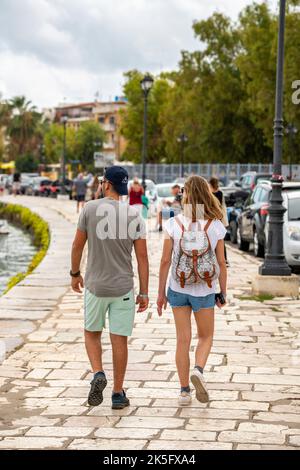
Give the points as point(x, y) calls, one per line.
point(39, 230)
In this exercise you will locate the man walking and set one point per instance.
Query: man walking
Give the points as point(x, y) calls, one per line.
point(112, 230)
point(80, 188)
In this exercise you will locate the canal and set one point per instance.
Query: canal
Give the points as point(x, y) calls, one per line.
point(16, 251)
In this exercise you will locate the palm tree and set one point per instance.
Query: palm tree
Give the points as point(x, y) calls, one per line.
point(22, 127)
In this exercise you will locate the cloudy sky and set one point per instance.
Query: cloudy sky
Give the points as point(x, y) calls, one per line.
point(67, 50)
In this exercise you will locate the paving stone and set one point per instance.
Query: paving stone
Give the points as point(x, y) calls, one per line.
point(264, 428)
point(35, 421)
point(250, 437)
point(267, 379)
point(294, 441)
point(210, 413)
point(91, 421)
point(123, 433)
point(278, 417)
point(59, 431)
point(187, 445)
point(183, 435)
point(38, 374)
point(63, 373)
point(12, 432)
point(196, 424)
point(107, 444)
point(32, 443)
point(151, 411)
point(107, 411)
point(149, 422)
point(241, 405)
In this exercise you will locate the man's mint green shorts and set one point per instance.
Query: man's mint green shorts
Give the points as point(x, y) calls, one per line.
point(121, 313)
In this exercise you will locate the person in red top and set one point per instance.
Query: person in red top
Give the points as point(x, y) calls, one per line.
point(135, 195)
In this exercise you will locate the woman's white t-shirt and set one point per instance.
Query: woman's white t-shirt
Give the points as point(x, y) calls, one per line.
point(215, 232)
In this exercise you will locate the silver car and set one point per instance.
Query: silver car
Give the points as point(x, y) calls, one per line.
point(291, 227)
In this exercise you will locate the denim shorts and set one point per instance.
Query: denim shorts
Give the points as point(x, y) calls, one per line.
point(178, 299)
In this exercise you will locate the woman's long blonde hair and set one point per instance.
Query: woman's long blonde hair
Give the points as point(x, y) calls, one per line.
point(199, 202)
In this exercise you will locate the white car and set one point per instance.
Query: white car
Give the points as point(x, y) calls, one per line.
point(164, 194)
point(291, 227)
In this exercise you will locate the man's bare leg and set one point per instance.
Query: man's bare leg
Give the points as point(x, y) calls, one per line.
point(120, 358)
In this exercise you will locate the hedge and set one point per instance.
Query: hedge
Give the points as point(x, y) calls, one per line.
point(39, 230)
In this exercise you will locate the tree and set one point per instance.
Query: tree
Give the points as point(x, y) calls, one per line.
point(89, 138)
point(27, 163)
point(223, 95)
point(22, 126)
point(54, 142)
point(133, 117)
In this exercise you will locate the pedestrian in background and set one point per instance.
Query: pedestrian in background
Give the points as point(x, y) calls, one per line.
point(215, 188)
point(93, 187)
point(80, 188)
point(136, 193)
point(16, 185)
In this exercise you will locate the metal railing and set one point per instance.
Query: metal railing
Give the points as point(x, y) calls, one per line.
point(167, 173)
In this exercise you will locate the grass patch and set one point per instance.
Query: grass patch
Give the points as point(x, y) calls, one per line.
point(37, 227)
point(257, 298)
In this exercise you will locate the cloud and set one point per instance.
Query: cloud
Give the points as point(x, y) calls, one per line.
point(72, 48)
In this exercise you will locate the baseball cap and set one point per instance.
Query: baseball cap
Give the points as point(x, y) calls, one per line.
point(118, 177)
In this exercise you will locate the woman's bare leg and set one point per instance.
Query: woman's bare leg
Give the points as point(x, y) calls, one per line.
point(182, 316)
point(205, 326)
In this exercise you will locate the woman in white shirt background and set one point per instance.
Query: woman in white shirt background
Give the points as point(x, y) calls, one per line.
point(201, 209)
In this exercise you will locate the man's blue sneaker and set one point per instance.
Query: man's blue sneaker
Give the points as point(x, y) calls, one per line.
point(119, 401)
point(98, 384)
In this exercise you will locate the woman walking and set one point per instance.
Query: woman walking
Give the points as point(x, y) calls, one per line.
point(194, 246)
point(136, 193)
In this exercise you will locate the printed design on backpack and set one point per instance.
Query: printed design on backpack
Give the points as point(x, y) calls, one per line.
point(195, 261)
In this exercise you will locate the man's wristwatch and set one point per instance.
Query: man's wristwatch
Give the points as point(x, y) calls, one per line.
point(74, 274)
point(144, 296)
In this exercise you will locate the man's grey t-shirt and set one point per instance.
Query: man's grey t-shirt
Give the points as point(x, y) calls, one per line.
point(111, 227)
point(80, 187)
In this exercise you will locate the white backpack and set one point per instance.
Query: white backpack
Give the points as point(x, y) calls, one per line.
point(192, 265)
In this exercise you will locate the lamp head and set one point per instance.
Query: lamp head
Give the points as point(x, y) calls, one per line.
point(147, 83)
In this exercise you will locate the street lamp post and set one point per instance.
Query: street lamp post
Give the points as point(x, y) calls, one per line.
point(182, 139)
point(275, 263)
point(291, 131)
point(64, 121)
point(146, 85)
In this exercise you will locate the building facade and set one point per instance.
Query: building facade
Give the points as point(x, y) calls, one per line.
point(107, 114)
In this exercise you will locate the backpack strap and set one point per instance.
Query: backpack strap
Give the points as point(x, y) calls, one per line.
point(207, 226)
point(180, 224)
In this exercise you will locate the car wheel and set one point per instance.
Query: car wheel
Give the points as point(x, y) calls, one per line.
point(233, 231)
point(259, 250)
point(242, 244)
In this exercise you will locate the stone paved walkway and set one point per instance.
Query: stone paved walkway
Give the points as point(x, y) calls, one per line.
point(253, 372)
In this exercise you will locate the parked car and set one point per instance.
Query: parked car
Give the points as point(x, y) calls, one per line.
point(253, 218)
point(164, 193)
point(291, 226)
point(56, 188)
point(235, 198)
point(26, 180)
point(250, 179)
point(38, 186)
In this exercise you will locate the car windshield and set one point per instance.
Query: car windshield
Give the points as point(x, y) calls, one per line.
point(164, 191)
point(294, 208)
point(261, 179)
